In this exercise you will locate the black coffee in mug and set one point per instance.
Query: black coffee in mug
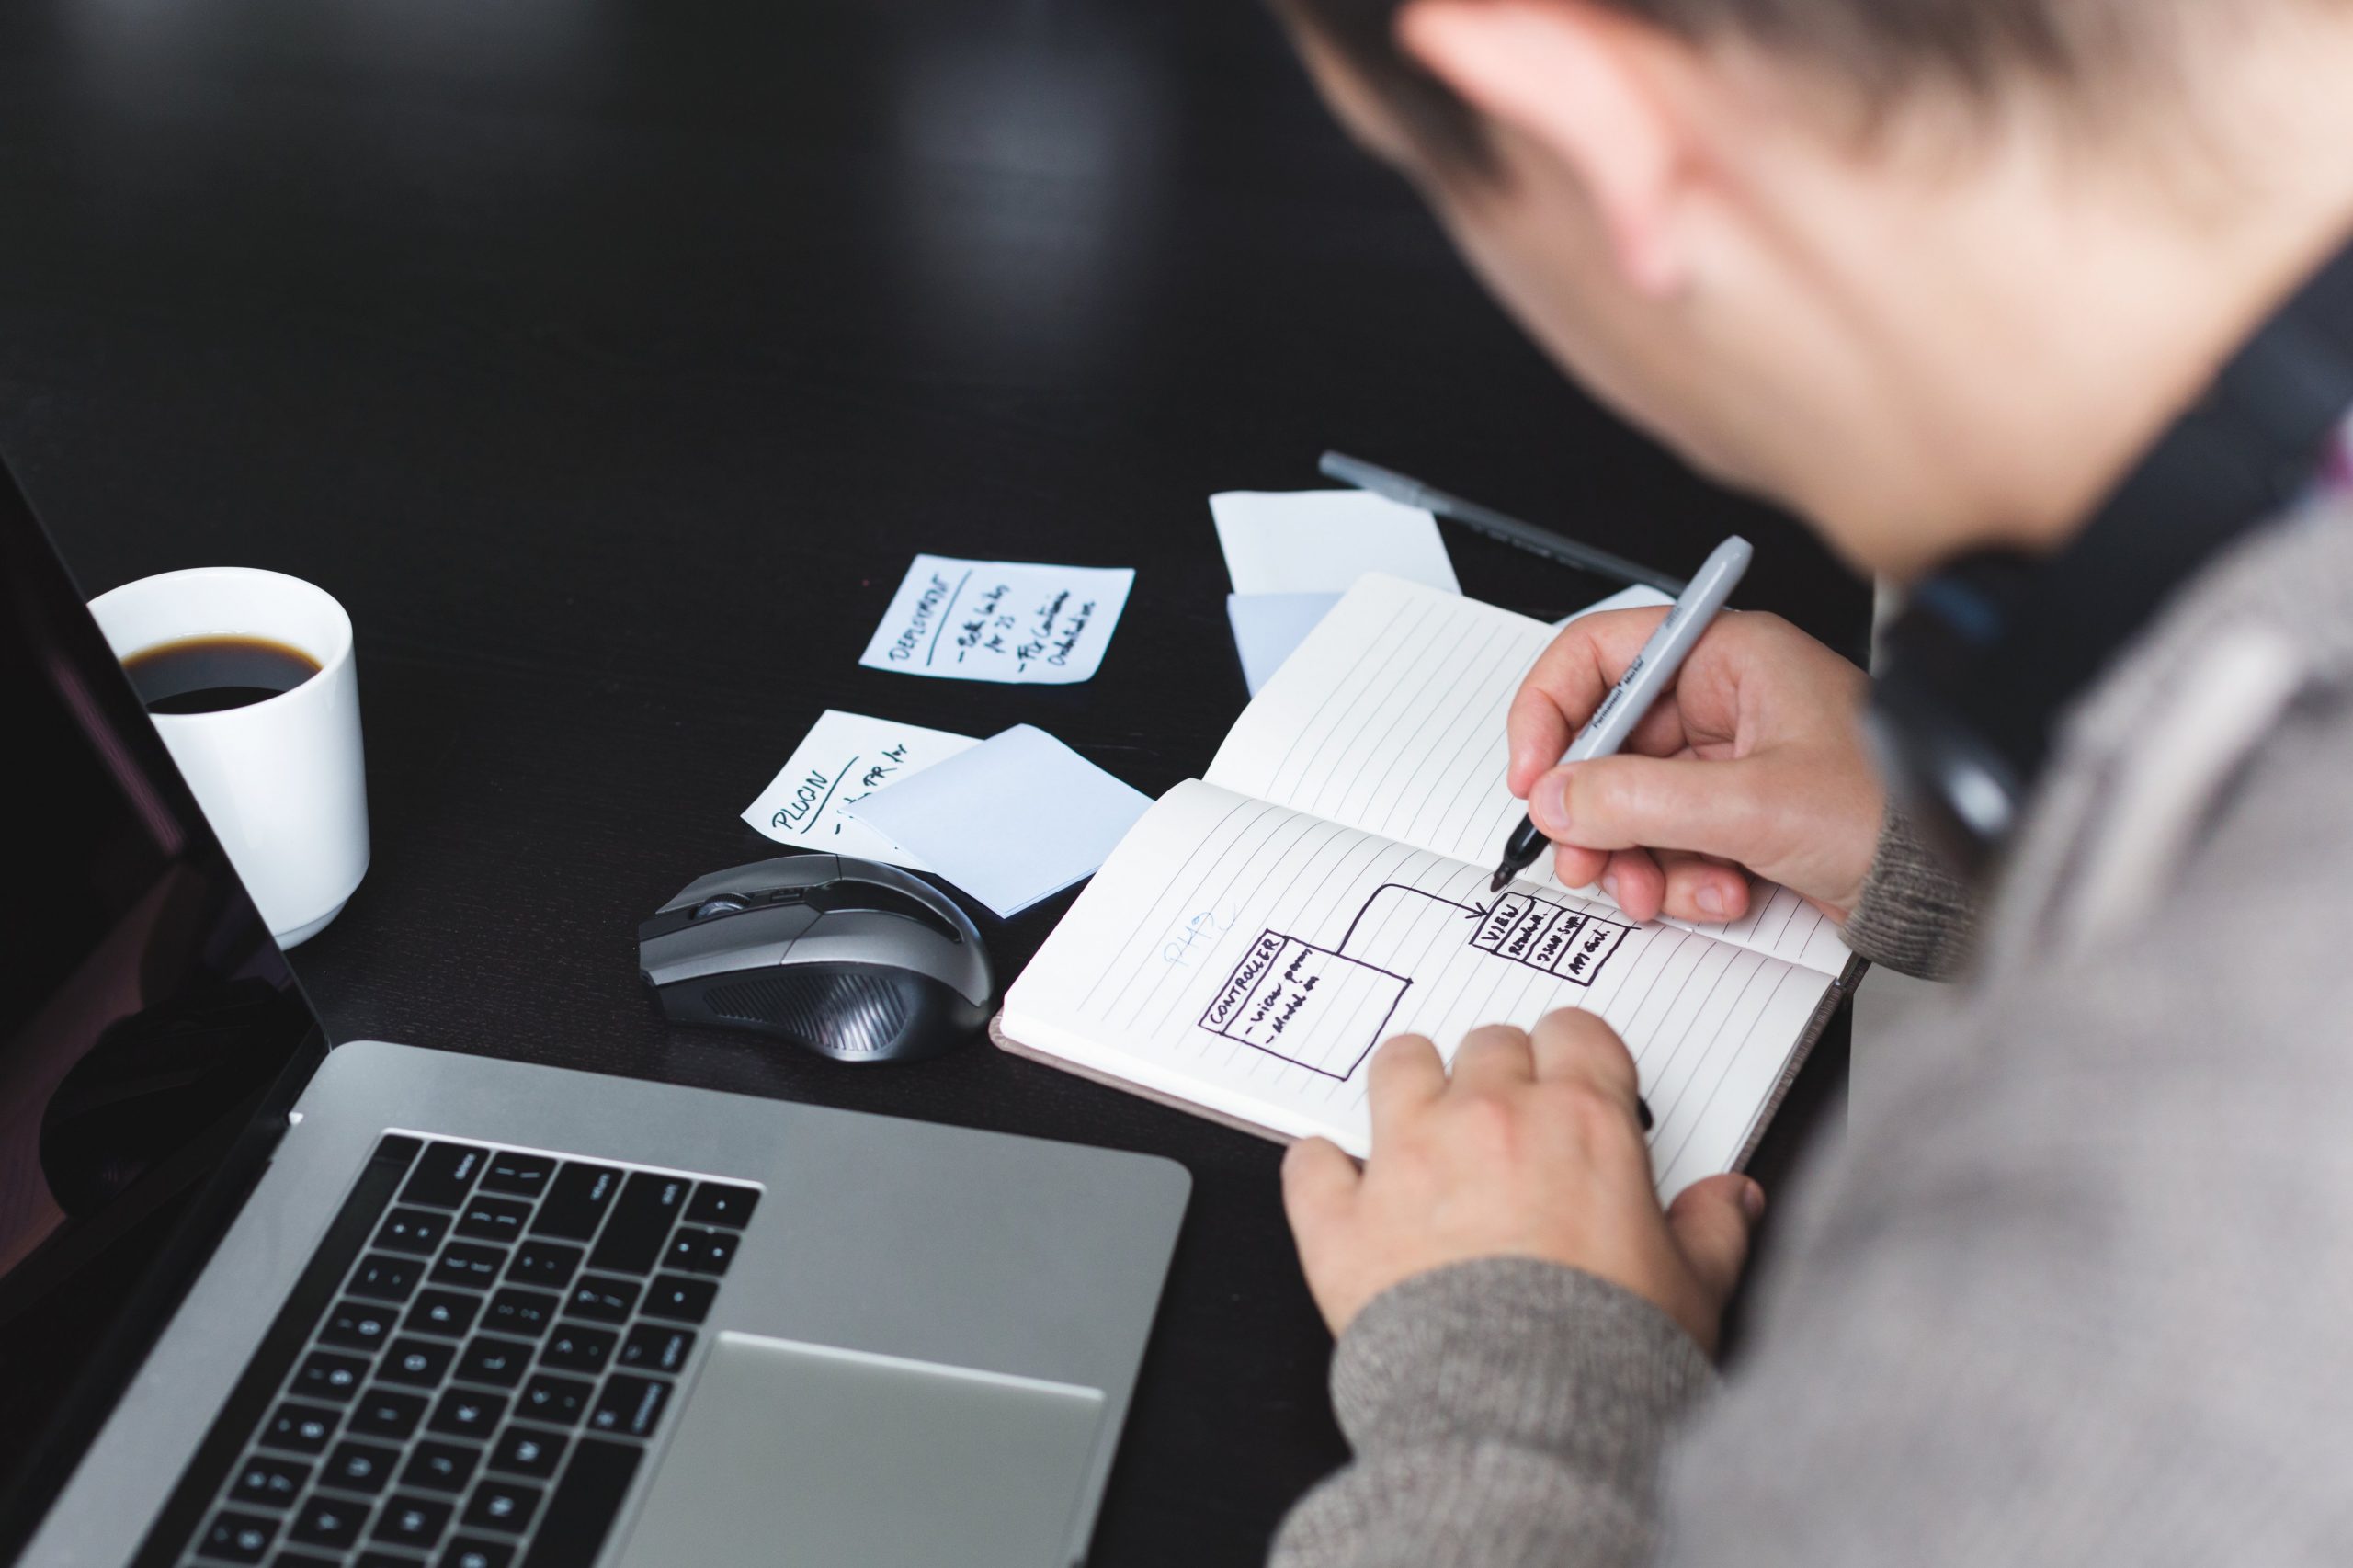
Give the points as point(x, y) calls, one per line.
point(205, 674)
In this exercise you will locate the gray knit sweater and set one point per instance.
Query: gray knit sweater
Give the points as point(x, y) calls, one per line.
point(2080, 1290)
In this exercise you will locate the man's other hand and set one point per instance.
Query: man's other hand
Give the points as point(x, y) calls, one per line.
point(1529, 1149)
point(1756, 759)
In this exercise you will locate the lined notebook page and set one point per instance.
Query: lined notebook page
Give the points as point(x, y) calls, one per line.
point(1389, 718)
point(1248, 958)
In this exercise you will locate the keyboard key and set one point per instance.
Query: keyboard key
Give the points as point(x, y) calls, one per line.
point(419, 1361)
point(602, 1298)
point(304, 1560)
point(630, 1406)
point(558, 1400)
point(701, 1252)
point(269, 1481)
point(359, 1326)
point(492, 1360)
point(442, 1311)
point(324, 1374)
point(657, 1347)
point(511, 1170)
point(641, 1223)
point(488, 1218)
point(581, 1509)
point(676, 1296)
point(304, 1428)
point(388, 1560)
point(469, 1263)
point(413, 1521)
point(528, 1451)
point(359, 1467)
point(329, 1521)
point(468, 1412)
point(551, 1264)
point(501, 1505)
point(577, 1348)
point(411, 1230)
point(718, 1203)
point(237, 1538)
point(525, 1313)
point(467, 1552)
point(385, 1276)
point(577, 1201)
point(388, 1413)
point(441, 1467)
point(444, 1174)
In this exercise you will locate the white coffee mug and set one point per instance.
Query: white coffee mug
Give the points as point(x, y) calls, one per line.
point(279, 779)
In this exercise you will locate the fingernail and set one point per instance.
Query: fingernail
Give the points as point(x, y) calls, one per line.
point(1548, 803)
point(1752, 1202)
point(1610, 886)
point(1711, 900)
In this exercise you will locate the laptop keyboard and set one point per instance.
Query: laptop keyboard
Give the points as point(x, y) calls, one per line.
point(468, 1373)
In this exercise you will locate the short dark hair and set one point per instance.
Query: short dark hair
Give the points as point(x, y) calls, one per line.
point(1881, 47)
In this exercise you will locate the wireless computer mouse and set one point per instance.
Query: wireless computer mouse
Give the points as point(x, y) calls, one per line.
point(859, 961)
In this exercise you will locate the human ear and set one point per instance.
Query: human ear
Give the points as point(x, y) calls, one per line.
point(1589, 87)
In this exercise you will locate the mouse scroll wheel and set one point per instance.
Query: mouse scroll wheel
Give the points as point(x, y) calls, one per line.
point(724, 904)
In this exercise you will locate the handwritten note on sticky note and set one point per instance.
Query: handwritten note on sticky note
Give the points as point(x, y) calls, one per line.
point(1016, 819)
point(844, 759)
point(1001, 620)
point(1321, 541)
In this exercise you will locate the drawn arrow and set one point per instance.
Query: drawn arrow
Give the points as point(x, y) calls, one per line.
point(1470, 911)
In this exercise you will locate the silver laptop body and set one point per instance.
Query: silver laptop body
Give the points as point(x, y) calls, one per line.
point(955, 1318)
point(400, 1307)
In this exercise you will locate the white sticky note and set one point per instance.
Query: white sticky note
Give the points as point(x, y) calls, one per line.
point(1001, 620)
point(844, 759)
point(1266, 627)
point(1016, 819)
point(1642, 596)
point(1321, 541)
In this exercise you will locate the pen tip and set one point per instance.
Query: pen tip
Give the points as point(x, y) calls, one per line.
point(1499, 882)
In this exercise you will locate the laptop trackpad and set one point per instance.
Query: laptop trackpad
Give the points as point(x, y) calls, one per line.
point(798, 1456)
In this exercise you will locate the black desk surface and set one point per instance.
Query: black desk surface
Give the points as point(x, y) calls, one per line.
point(610, 359)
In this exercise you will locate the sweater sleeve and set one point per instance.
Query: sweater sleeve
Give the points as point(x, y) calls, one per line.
point(1504, 1413)
point(1916, 915)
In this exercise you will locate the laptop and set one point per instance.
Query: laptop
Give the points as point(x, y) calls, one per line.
point(380, 1306)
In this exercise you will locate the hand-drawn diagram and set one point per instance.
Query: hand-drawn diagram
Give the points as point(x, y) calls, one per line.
point(1285, 990)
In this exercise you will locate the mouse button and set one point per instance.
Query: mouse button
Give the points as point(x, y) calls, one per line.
point(756, 939)
point(874, 898)
point(761, 876)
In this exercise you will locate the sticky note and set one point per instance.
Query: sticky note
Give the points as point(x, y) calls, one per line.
point(1012, 821)
point(1002, 621)
point(1321, 541)
point(1266, 627)
point(844, 759)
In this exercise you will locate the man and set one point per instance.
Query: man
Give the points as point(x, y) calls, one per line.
point(1944, 275)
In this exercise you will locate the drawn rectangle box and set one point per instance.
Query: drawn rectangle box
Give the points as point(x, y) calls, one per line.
point(1582, 957)
point(1548, 936)
point(1313, 1007)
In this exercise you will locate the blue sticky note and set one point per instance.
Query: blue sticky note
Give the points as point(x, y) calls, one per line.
point(1012, 821)
point(1266, 627)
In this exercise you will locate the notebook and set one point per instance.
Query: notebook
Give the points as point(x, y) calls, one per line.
point(1261, 930)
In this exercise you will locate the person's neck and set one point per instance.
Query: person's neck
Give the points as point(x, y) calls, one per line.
point(2067, 308)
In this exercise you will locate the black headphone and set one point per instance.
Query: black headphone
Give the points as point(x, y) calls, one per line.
point(1992, 649)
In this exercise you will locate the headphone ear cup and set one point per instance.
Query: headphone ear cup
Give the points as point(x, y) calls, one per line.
point(1962, 795)
point(1957, 716)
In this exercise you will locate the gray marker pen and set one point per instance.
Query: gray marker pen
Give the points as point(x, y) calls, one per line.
point(1651, 672)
